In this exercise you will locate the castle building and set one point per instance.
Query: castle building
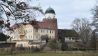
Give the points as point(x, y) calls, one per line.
point(34, 31)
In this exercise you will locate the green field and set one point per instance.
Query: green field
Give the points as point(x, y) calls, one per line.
point(54, 54)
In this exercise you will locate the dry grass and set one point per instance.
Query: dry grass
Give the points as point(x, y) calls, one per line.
point(57, 53)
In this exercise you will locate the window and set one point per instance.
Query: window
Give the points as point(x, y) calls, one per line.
point(20, 45)
point(47, 31)
point(25, 30)
point(50, 31)
point(26, 37)
point(41, 30)
point(29, 37)
point(69, 38)
point(36, 30)
point(37, 37)
point(31, 30)
point(50, 36)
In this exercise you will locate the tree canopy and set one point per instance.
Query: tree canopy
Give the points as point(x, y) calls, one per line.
point(3, 37)
point(82, 27)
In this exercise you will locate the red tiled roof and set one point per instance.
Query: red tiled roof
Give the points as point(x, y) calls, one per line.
point(45, 24)
point(42, 25)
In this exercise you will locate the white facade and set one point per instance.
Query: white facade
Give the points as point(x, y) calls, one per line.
point(50, 33)
point(27, 32)
point(50, 16)
point(69, 39)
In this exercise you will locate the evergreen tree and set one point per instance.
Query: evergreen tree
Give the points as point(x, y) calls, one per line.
point(3, 37)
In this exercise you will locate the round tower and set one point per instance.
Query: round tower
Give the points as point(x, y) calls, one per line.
point(50, 20)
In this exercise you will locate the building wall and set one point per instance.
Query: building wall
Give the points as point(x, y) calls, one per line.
point(22, 44)
point(30, 33)
point(49, 15)
point(49, 32)
point(52, 24)
point(69, 39)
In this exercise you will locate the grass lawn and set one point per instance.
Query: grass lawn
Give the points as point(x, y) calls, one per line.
point(54, 54)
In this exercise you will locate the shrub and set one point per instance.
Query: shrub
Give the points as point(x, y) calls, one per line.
point(53, 44)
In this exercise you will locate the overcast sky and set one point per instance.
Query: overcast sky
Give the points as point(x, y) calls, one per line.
point(68, 10)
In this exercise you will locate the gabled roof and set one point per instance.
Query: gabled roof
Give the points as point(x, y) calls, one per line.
point(67, 33)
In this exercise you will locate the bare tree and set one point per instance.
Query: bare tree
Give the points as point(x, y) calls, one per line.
point(82, 27)
point(95, 24)
point(17, 10)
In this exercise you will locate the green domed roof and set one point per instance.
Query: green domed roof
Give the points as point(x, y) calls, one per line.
point(50, 10)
